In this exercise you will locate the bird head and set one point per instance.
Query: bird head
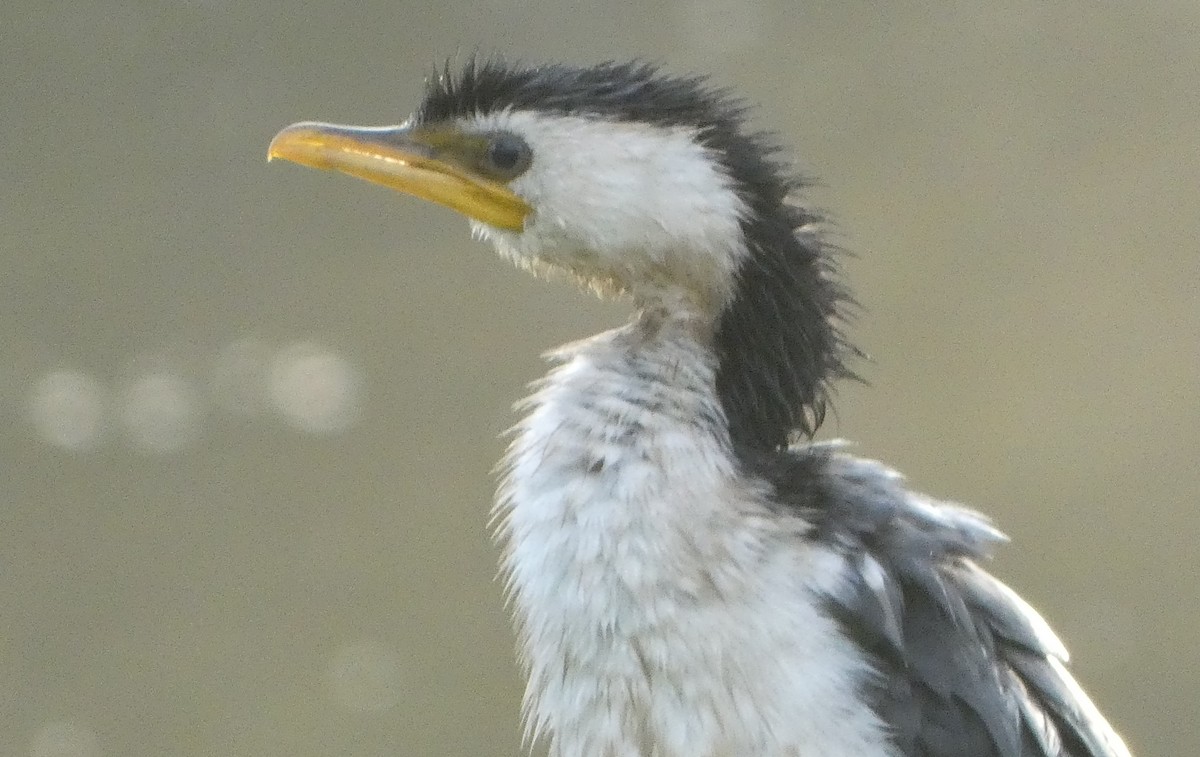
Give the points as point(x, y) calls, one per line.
point(633, 182)
point(613, 173)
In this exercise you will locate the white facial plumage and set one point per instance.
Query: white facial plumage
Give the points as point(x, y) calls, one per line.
point(638, 208)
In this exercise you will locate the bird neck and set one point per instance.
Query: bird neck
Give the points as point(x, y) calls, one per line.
point(627, 413)
point(659, 369)
point(770, 328)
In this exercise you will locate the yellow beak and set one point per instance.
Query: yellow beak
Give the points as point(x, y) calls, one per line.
point(409, 160)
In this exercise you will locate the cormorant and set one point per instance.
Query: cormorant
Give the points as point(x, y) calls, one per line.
point(692, 576)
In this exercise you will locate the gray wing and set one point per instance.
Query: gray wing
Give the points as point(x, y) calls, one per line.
point(966, 667)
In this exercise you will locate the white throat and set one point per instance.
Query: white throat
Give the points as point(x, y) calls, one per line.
point(663, 611)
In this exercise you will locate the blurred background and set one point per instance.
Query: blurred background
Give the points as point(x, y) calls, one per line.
point(249, 412)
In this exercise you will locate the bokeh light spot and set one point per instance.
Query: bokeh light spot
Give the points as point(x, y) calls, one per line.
point(67, 409)
point(160, 412)
point(315, 389)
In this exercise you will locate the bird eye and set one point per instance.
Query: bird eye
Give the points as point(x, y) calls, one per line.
point(507, 156)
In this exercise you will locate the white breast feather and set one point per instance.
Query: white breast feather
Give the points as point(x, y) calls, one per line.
point(662, 610)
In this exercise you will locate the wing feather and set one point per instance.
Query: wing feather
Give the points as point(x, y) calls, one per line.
point(963, 665)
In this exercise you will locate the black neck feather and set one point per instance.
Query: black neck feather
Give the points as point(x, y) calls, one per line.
point(779, 343)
